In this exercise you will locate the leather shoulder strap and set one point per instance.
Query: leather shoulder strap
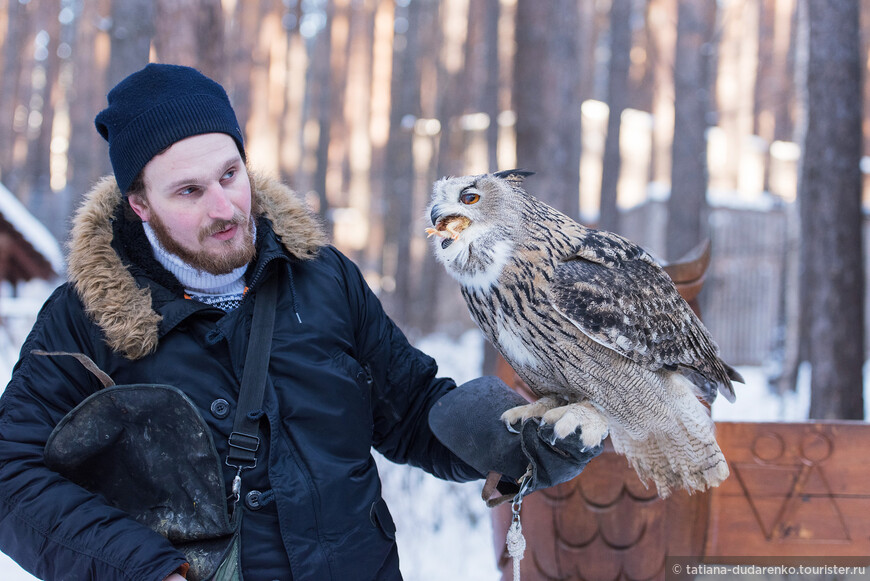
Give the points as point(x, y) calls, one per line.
point(245, 439)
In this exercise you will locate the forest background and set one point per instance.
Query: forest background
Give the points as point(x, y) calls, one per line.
point(669, 121)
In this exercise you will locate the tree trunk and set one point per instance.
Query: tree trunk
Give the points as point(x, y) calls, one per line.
point(661, 45)
point(320, 97)
point(400, 173)
point(643, 75)
point(454, 96)
point(337, 138)
point(489, 102)
point(382, 59)
point(87, 157)
point(617, 99)
point(239, 45)
point(779, 101)
point(358, 107)
point(687, 204)
point(38, 180)
point(480, 75)
point(829, 194)
point(15, 166)
point(13, 57)
point(131, 32)
point(211, 57)
point(546, 95)
point(194, 39)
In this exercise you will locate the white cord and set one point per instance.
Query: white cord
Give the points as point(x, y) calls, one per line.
point(516, 544)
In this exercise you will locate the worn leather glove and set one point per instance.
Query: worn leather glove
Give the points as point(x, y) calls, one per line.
point(468, 421)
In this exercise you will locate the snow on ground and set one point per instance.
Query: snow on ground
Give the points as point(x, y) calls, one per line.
point(18, 315)
point(444, 529)
point(756, 403)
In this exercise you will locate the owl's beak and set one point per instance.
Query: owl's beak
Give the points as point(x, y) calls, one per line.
point(447, 226)
point(435, 214)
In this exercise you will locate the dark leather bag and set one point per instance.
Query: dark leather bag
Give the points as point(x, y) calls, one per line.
point(146, 449)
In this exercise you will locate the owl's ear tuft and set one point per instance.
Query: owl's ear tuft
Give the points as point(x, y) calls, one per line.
point(514, 175)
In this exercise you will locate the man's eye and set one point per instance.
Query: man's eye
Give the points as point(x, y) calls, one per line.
point(469, 198)
point(229, 175)
point(187, 191)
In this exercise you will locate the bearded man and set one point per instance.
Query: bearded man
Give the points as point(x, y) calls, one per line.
point(167, 260)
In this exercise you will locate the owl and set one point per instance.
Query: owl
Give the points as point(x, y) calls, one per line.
point(593, 325)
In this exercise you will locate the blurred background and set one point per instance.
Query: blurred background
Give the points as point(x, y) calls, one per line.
point(668, 121)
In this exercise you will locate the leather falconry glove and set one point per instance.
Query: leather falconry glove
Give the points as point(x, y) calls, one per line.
point(468, 421)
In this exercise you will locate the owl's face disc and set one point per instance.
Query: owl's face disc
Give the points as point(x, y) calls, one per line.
point(471, 226)
point(452, 212)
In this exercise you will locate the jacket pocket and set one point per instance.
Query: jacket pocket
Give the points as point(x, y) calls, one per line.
point(381, 518)
point(361, 374)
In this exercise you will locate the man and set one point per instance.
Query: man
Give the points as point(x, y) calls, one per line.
point(166, 262)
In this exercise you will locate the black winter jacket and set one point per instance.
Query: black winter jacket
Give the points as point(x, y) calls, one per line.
point(343, 379)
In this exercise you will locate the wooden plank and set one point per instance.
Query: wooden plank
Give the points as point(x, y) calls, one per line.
point(795, 489)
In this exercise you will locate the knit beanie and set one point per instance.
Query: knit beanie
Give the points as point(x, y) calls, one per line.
point(153, 108)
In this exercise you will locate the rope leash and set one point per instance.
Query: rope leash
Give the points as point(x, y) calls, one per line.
point(516, 542)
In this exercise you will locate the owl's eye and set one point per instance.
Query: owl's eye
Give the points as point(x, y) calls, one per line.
point(469, 198)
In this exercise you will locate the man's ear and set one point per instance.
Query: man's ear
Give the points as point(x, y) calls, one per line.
point(140, 206)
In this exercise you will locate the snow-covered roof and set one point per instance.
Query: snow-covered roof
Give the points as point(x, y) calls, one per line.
point(31, 229)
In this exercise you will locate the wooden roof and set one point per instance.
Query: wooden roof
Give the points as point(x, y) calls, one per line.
point(19, 260)
point(27, 250)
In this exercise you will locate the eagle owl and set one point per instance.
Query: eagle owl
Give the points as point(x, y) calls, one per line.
point(591, 323)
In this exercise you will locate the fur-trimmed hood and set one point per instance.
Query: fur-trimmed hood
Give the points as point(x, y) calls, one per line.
point(108, 290)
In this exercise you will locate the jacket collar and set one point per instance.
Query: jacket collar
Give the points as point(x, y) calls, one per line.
point(116, 287)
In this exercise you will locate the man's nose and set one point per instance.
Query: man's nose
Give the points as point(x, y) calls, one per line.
point(220, 206)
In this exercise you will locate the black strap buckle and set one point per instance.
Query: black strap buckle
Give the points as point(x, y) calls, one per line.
point(244, 442)
point(243, 448)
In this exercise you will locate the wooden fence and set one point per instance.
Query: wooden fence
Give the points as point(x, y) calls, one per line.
point(744, 298)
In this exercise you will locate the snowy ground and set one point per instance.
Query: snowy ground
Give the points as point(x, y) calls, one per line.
point(444, 529)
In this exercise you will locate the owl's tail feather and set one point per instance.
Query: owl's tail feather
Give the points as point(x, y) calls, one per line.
point(686, 455)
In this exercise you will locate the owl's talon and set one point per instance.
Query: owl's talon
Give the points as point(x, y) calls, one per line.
point(511, 428)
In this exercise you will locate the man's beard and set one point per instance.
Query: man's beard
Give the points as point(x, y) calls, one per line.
point(235, 255)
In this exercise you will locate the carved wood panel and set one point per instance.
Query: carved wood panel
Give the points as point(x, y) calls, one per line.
point(603, 525)
point(795, 489)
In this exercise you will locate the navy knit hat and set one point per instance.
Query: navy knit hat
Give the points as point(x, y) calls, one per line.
point(157, 106)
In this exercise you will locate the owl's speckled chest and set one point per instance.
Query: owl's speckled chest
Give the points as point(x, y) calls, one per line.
point(515, 318)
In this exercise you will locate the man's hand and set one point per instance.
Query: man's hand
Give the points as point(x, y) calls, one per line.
point(175, 577)
point(468, 421)
point(552, 461)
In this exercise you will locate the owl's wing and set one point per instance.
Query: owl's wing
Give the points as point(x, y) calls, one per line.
point(615, 293)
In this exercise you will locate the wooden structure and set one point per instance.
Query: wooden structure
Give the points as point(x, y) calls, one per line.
point(795, 490)
point(20, 259)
